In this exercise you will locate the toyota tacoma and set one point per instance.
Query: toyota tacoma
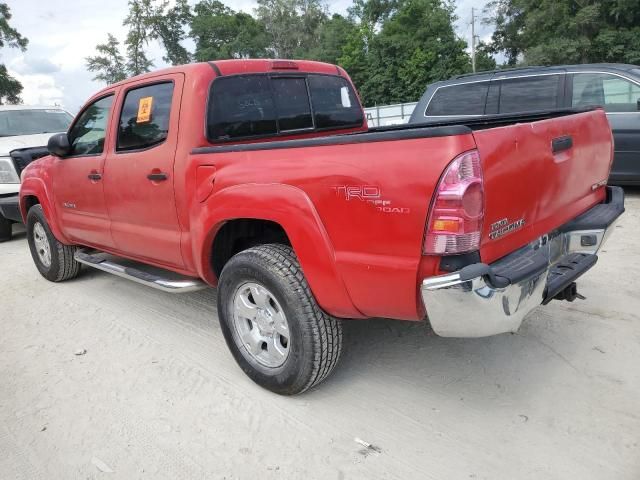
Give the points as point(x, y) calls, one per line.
point(260, 177)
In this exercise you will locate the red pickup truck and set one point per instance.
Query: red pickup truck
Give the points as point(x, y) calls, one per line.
point(260, 177)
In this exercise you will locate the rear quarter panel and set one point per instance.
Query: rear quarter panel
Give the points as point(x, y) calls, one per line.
point(372, 199)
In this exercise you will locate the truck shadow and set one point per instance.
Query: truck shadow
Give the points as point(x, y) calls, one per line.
point(408, 357)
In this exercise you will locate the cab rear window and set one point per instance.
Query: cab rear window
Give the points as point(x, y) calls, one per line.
point(269, 105)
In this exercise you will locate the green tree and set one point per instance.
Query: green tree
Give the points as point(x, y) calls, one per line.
point(168, 26)
point(109, 64)
point(138, 21)
point(291, 25)
point(547, 32)
point(10, 88)
point(221, 33)
point(484, 57)
point(403, 46)
point(332, 36)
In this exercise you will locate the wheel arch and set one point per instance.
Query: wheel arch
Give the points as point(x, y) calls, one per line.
point(286, 210)
point(33, 191)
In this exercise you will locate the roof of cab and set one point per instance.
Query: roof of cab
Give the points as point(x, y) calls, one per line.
point(236, 67)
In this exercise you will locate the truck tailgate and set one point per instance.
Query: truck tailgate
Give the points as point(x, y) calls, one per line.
point(539, 175)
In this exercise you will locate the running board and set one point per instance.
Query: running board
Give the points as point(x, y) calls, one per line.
point(102, 261)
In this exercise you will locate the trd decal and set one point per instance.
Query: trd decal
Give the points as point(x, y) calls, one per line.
point(503, 227)
point(370, 194)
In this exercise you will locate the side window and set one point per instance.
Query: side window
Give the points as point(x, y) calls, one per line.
point(529, 94)
point(144, 120)
point(88, 132)
point(334, 102)
point(463, 99)
point(241, 107)
point(615, 94)
point(292, 103)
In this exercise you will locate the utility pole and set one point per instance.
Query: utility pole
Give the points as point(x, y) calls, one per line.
point(473, 40)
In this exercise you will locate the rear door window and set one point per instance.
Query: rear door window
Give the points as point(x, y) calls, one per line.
point(615, 94)
point(264, 105)
point(530, 94)
point(463, 99)
point(144, 120)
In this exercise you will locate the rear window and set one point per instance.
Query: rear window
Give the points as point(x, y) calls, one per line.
point(292, 103)
point(464, 99)
point(529, 94)
point(263, 105)
point(334, 102)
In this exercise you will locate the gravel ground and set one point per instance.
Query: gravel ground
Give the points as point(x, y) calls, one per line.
point(104, 378)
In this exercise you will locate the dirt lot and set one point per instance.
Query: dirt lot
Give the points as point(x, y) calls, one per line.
point(157, 395)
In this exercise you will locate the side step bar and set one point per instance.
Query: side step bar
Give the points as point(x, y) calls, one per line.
point(102, 262)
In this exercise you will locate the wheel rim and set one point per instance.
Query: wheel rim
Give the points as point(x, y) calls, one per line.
point(41, 242)
point(261, 325)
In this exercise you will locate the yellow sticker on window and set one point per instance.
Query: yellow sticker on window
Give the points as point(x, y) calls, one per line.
point(144, 109)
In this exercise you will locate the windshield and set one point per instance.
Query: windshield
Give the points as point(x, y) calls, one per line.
point(30, 122)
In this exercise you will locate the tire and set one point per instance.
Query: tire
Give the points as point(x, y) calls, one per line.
point(44, 246)
point(5, 229)
point(312, 339)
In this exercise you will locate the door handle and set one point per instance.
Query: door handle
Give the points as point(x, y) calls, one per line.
point(157, 176)
point(561, 143)
point(94, 176)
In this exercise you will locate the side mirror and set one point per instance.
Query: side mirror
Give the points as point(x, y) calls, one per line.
point(59, 145)
point(638, 104)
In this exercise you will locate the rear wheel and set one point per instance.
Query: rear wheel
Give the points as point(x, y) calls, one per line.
point(54, 260)
point(5, 229)
point(272, 324)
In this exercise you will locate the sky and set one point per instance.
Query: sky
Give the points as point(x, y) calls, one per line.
point(62, 33)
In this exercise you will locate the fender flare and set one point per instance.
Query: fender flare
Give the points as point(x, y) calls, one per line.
point(35, 187)
point(293, 210)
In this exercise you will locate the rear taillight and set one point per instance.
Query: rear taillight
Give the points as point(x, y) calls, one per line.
point(455, 219)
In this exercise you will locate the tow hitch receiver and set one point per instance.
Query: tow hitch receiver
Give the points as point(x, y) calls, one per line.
point(560, 282)
point(570, 293)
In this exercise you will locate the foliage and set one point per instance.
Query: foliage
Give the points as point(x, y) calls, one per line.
point(221, 33)
point(168, 26)
point(546, 32)
point(391, 48)
point(10, 88)
point(109, 64)
point(291, 25)
point(140, 14)
point(403, 45)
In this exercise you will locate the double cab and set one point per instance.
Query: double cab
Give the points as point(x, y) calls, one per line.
point(261, 178)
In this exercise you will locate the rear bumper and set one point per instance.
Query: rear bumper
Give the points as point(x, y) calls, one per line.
point(10, 207)
point(481, 300)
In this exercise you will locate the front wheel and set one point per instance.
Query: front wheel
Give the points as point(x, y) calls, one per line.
point(272, 324)
point(53, 259)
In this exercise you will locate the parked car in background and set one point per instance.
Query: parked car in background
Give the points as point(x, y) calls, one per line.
point(615, 87)
point(22, 127)
point(261, 177)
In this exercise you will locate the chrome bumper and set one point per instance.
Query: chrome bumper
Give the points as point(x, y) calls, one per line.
point(460, 306)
